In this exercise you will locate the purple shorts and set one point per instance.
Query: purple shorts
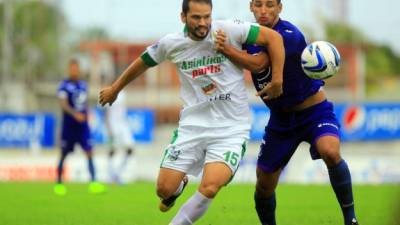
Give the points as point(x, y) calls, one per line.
point(76, 135)
point(286, 130)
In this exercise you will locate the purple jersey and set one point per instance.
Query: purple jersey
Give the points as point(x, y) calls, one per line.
point(73, 131)
point(297, 86)
point(287, 129)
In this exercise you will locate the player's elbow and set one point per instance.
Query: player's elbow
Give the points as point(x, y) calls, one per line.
point(257, 68)
point(261, 63)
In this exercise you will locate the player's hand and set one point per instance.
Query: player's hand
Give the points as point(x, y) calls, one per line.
point(80, 117)
point(107, 95)
point(271, 90)
point(220, 41)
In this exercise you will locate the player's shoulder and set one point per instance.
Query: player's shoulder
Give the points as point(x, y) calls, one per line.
point(82, 83)
point(287, 28)
point(229, 23)
point(64, 83)
point(170, 40)
point(171, 37)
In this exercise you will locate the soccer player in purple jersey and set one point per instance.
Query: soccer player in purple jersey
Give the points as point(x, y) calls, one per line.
point(301, 113)
point(73, 93)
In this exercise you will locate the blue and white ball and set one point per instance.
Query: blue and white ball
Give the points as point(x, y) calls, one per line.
point(320, 60)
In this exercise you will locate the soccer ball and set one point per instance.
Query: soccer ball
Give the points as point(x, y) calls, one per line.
point(320, 60)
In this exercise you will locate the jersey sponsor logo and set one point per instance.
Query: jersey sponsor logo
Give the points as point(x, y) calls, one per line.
point(202, 68)
point(263, 78)
point(206, 84)
point(202, 62)
point(211, 69)
point(79, 100)
point(221, 97)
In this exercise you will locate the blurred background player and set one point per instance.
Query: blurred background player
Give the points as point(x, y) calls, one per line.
point(73, 95)
point(119, 135)
point(215, 121)
point(301, 113)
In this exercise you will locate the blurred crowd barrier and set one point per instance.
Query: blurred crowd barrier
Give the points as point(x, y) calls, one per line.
point(360, 122)
point(370, 163)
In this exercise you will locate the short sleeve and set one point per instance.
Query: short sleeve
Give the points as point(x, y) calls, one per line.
point(62, 92)
point(243, 32)
point(155, 54)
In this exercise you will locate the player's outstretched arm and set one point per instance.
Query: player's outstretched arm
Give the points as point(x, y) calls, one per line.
point(110, 93)
point(254, 63)
point(276, 50)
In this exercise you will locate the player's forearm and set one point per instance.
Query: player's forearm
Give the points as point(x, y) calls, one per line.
point(254, 63)
point(276, 52)
point(66, 107)
point(137, 68)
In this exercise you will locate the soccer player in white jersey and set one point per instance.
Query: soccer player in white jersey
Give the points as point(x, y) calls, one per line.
point(119, 135)
point(215, 120)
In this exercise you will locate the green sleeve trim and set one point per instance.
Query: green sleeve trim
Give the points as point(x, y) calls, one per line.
point(148, 60)
point(253, 34)
point(174, 136)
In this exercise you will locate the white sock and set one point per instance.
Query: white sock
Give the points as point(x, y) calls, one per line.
point(192, 210)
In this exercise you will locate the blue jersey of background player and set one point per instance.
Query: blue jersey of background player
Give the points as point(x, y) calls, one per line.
point(75, 127)
point(301, 113)
point(72, 93)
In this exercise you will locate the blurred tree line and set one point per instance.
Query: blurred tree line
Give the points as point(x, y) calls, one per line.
point(40, 34)
point(41, 39)
point(37, 30)
point(381, 60)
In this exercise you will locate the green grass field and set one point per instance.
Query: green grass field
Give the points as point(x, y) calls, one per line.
point(137, 204)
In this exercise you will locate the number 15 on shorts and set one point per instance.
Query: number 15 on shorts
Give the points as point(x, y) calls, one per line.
point(231, 157)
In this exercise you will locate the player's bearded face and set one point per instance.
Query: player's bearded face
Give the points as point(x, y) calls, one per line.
point(266, 12)
point(198, 20)
point(198, 31)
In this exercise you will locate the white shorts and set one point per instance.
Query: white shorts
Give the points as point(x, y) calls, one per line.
point(192, 147)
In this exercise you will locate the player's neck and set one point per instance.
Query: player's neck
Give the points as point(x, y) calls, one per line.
point(275, 22)
point(74, 80)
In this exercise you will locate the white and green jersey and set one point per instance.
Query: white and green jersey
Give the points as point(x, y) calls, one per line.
point(212, 87)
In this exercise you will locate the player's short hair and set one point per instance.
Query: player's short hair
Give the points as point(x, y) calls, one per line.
point(278, 1)
point(185, 4)
point(73, 61)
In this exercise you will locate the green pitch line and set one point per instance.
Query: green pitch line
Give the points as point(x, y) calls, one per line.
point(137, 204)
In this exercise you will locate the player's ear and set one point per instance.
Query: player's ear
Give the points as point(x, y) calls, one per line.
point(280, 6)
point(251, 6)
